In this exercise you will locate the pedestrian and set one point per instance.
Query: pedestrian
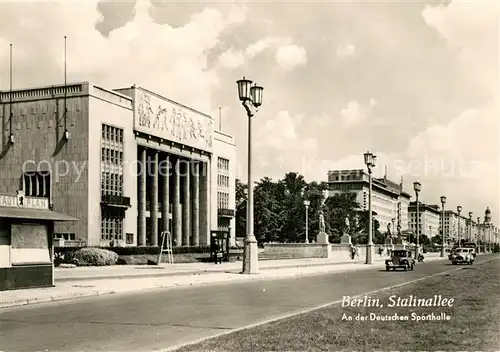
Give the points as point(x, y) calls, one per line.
point(217, 250)
point(219, 254)
point(353, 252)
point(380, 251)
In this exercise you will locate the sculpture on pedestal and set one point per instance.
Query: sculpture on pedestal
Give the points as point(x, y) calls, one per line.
point(346, 238)
point(322, 236)
point(322, 228)
point(388, 237)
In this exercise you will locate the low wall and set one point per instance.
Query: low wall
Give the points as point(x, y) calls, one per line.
point(299, 250)
point(336, 252)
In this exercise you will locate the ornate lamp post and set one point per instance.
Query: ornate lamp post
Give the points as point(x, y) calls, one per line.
point(443, 201)
point(479, 237)
point(470, 225)
point(459, 210)
point(307, 203)
point(251, 98)
point(417, 187)
point(370, 160)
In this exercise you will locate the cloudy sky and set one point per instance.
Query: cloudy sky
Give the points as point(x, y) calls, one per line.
point(413, 82)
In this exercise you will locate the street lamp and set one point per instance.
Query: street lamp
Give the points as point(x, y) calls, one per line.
point(478, 237)
point(443, 201)
point(470, 225)
point(307, 203)
point(393, 220)
point(370, 160)
point(459, 210)
point(417, 187)
point(251, 98)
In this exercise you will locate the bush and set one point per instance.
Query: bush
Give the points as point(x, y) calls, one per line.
point(93, 257)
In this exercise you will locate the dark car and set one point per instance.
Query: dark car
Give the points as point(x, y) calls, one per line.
point(401, 258)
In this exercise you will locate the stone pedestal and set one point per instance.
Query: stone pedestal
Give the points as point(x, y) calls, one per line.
point(345, 239)
point(388, 241)
point(322, 238)
point(250, 257)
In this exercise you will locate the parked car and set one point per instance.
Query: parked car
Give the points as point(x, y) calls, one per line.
point(400, 259)
point(462, 256)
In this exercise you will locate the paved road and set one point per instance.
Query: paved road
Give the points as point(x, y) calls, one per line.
point(159, 319)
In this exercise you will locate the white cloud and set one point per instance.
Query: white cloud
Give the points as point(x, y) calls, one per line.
point(258, 47)
point(280, 134)
point(346, 50)
point(141, 52)
point(354, 113)
point(470, 30)
point(231, 59)
point(464, 154)
point(290, 57)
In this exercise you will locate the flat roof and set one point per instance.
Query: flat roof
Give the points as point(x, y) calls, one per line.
point(35, 214)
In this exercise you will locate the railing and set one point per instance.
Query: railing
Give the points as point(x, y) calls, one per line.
point(58, 243)
point(39, 92)
point(109, 199)
point(226, 212)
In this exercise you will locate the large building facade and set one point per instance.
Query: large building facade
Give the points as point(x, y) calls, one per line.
point(451, 225)
point(428, 219)
point(128, 163)
point(389, 200)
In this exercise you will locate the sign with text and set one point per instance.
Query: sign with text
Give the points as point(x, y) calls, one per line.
point(165, 119)
point(21, 201)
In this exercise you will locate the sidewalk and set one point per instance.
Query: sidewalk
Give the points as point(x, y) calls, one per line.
point(78, 284)
point(138, 271)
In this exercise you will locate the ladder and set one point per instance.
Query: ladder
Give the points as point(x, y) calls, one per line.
point(166, 235)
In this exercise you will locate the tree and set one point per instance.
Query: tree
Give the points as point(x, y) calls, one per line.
point(337, 208)
point(292, 206)
point(267, 211)
point(361, 236)
point(314, 194)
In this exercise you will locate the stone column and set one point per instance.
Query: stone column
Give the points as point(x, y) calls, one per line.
point(176, 216)
point(186, 206)
point(204, 204)
point(153, 211)
point(141, 211)
point(196, 204)
point(165, 199)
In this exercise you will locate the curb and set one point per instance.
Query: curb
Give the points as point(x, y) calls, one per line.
point(32, 301)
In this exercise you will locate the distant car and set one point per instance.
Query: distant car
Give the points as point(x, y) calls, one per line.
point(400, 259)
point(462, 256)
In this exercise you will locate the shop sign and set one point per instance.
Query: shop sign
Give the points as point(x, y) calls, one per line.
point(21, 201)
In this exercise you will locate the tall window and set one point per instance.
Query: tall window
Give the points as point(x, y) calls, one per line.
point(222, 183)
point(36, 184)
point(111, 225)
point(111, 180)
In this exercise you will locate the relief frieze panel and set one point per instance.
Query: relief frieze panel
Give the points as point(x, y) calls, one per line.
point(167, 120)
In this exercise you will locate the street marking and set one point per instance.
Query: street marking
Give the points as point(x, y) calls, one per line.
point(308, 310)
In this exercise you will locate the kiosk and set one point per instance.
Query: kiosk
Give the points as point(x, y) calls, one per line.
point(220, 238)
point(26, 244)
